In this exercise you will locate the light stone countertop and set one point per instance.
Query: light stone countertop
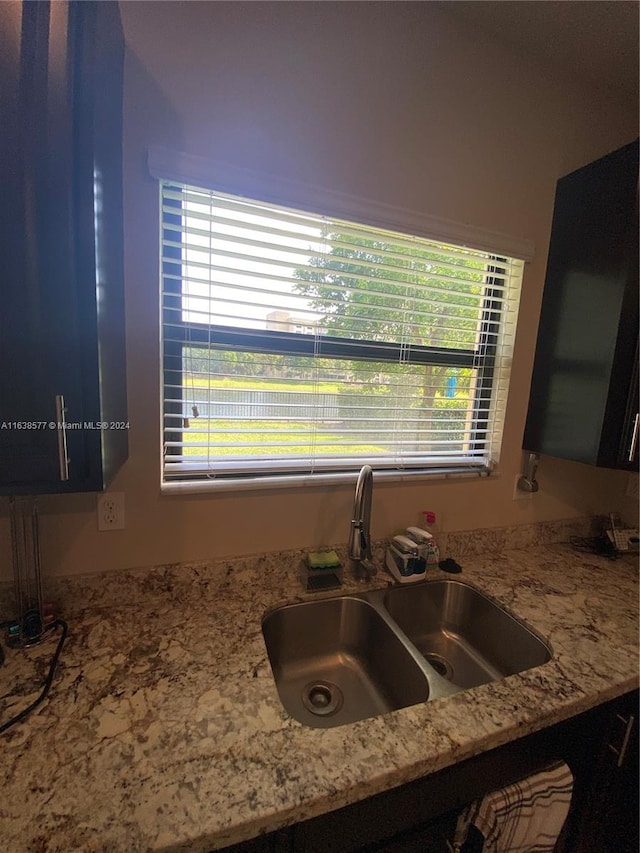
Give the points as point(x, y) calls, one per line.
point(163, 730)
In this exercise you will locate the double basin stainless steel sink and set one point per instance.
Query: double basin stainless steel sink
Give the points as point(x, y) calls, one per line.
point(338, 660)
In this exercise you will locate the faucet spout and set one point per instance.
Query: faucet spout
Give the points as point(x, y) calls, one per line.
point(360, 529)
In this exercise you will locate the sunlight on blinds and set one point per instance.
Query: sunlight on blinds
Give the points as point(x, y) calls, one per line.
point(298, 345)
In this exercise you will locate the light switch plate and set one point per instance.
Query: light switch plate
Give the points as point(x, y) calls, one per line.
point(632, 485)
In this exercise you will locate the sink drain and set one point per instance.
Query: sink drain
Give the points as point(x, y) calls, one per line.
point(440, 664)
point(322, 698)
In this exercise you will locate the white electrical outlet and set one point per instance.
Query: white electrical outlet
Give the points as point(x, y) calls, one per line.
point(111, 511)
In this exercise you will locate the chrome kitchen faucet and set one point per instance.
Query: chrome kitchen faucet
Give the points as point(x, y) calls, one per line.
point(360, 530)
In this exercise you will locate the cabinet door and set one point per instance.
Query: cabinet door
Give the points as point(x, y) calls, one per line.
point(61, 104)
point(610, 820)
point(589, 321)
point(35, 240)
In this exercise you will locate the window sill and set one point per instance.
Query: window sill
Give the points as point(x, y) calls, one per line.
point(194, 487)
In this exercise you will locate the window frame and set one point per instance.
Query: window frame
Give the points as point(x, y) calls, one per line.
point(482, 358)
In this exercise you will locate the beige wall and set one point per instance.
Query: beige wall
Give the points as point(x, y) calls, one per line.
point(389, 101)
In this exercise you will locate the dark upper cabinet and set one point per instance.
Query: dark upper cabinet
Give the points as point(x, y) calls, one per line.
point(584, 393)
point(63, 406)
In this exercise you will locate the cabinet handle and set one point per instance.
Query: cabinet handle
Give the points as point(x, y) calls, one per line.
point(634, 439)
point(622, 752)
point(63, 459)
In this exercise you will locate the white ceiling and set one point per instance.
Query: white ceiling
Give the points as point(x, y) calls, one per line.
point(593, 40)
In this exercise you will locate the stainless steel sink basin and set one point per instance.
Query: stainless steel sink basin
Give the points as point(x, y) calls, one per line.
point(338, 660)
point(467, 638)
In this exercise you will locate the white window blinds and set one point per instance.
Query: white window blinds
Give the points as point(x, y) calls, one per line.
point(297, 345)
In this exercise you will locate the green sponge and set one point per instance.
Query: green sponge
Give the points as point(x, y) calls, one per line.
point(323, 560)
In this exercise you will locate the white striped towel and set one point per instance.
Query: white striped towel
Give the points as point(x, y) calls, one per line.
point(526, 817)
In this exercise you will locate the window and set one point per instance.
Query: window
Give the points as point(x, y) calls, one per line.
point(298, 346)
